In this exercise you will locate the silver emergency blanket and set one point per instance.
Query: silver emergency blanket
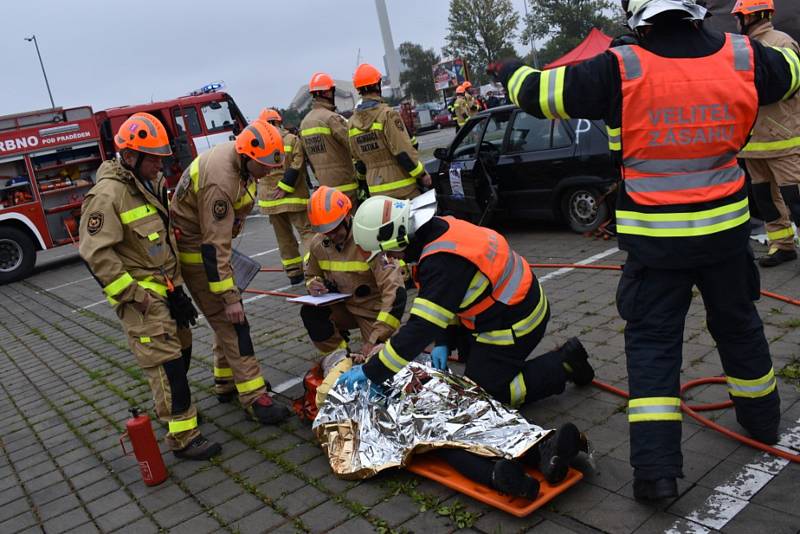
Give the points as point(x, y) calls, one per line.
point(364, 432)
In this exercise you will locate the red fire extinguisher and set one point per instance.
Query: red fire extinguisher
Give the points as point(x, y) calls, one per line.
point(145, 447)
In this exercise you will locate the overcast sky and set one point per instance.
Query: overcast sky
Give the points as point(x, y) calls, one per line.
point(108, 54)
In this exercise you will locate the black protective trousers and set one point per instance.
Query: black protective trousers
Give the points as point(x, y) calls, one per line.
point(654, 302)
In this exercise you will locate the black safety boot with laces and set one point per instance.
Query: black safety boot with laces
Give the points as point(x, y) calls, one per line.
point(266, 411)
point(776, 256)
point(576, 362)
point(199, 449)
point(509, 477)
point(655, 490)
point(557, 452)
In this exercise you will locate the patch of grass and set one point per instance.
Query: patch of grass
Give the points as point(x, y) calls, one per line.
point(460, 516)
point(791, 323)
point(791, 372)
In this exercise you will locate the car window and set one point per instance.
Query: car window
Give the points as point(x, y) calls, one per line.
point(191, 116)
point(217, 116)
point(561, 137)
point(529, 133)
point(465, 149)
point(496, 130)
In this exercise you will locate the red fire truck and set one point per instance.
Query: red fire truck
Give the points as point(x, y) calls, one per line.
point(48, 161)
point(49, 158)
point(194, 123)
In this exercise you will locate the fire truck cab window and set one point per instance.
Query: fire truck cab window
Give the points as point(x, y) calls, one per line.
point(15, 183)
point(217, 116)
point(193, 119)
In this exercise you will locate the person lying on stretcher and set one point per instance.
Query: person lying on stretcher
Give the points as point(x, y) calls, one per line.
point(364, 431)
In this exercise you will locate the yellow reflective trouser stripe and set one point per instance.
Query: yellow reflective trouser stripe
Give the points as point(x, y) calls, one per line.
point(346, 187)
point(551, 93)
point(477, 286)
point(194, 173)
point(770, 146)
point(516, 81)
point(392, 185)
point(191, 258)
point(344, 266)
point(135, 214)
point(389, 319)
point(654, 409)
point(292, 261)
point(520, 328)
point(145, 339)
point(246, 198)
point(780, 234)
point(687, 224)
point(250, 385)
point(793, 60)
point(314, 131)
point(221, 286)
point(752, 389)
point(518, 390)
point(182, 426)
point(223, 372)
point(419, 169)
point(282, 201)
point(118, 285)
point(155, 287)
point(389, 357)
point(431, 312)
point(285, 187)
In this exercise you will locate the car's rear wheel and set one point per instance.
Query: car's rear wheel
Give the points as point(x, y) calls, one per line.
point(583, 209)
point(17, 254)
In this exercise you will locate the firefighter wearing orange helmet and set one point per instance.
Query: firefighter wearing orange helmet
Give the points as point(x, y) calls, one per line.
point(772, 155)
point(461, 107)
point(335, 263)
point(473, 105)
point(213, 196)
point(380, 143)
point(283, 195)
point(128, 245)
point(324, 135)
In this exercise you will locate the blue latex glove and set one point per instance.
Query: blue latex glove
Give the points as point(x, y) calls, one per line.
point(354, 378)
point(439, 356)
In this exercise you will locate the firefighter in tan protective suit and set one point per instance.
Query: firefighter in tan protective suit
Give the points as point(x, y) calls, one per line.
point(335, 263)
point(126, 242)
point(283, 195)
point(380, 143)
point(461, 107)
point(213, 196)
point(772, 155)
point(324, 135)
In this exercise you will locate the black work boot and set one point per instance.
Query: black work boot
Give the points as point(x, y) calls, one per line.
point(509, 477)
point(226, 397)
point(296, 279)
point(654, 490)
point(199, 449)
point(557, 452)
point(266, 411)
point(576, 362)
point(776, 256)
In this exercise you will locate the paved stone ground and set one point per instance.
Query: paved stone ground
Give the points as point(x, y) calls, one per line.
point(68, 381)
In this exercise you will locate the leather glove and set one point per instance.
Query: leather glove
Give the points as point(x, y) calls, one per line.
point(439, 356)
point(181, 308)
point(502, 70)
point(354, 378)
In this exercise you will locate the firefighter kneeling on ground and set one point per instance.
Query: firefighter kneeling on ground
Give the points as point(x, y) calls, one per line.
point(380, 143)
point(212, 198)
point(127, 243)
point(470, 277)
point(335, 263)
point(283, 195)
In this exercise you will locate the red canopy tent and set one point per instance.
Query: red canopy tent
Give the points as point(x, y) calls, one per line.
point(595, 43)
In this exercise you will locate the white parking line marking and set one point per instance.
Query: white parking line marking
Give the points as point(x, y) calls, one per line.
point(89, 306)
point(732, 496)
point(280, 388)
point(79, 280)
point(587, 261)
point(265, 252)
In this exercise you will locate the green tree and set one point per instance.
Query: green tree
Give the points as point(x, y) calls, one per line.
point(481, 31)
point(418, 79)
point(565, 23)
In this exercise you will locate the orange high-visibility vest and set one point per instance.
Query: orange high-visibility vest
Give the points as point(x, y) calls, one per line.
point(507, 272)
point(683, 122)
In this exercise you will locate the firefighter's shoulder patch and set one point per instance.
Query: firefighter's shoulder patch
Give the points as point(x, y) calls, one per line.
point(94, 222)
point(220, 209)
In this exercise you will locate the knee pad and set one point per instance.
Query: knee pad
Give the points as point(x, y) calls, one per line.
point(178, 385)
point(186, 356)
point(763, 197)
point(791, 196)
point(317, 321)
point(244, 339)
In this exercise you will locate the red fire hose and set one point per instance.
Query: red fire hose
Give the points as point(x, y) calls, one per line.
point(690, 410)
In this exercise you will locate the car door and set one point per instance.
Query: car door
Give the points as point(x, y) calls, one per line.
point(537, 154)
point(462, 187)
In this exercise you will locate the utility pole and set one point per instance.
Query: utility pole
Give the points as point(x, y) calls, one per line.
point(36, 44)
point(534, 52)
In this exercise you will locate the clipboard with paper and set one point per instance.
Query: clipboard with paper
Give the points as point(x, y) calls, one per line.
point(320, 300)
